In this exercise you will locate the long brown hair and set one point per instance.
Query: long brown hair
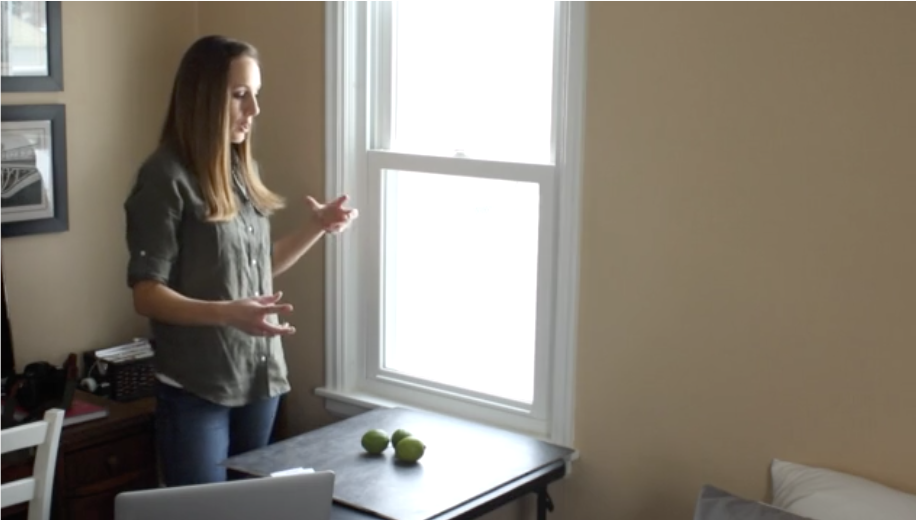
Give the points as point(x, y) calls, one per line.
point(198, 127)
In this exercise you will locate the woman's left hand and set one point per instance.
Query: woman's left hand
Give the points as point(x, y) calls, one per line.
point(333, 217)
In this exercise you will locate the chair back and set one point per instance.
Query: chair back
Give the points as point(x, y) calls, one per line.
point(44, 435)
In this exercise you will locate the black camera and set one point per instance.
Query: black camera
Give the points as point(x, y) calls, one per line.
point(42, 384)
point(40, 387)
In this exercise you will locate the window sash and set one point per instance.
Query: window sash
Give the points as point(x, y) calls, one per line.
point(380, 74)
point(373, 268)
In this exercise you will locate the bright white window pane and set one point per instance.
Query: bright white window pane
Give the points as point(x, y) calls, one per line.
point(475, 78)
point(461, 281)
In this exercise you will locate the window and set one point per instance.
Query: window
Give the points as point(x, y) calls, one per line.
point(455, 128)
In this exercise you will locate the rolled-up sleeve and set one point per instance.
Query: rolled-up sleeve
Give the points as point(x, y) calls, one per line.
point(153, 214)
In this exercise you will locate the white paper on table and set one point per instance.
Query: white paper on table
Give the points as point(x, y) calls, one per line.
point(291, 471)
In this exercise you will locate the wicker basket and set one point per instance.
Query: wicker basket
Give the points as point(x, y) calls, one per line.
point(124, 373)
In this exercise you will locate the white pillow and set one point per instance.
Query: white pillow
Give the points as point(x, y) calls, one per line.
point(823, 494)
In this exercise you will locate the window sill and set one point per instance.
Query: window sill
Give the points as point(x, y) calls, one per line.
point(347, 404)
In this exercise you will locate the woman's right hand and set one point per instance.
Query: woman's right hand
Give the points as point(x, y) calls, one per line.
point(251, 315)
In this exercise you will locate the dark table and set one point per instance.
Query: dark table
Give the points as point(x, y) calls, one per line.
point(468, 469)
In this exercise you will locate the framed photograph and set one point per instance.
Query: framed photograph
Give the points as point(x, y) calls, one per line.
point(31, 47)
point(34, 167)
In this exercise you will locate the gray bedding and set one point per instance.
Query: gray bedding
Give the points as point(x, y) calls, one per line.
point(716, 504)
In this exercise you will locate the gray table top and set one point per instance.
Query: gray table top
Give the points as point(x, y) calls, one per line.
point(463, 460)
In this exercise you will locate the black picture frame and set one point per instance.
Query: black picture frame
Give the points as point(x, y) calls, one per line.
point(54, 80)
point(26, 155)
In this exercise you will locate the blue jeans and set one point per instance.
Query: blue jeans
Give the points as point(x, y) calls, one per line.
point(194, 435)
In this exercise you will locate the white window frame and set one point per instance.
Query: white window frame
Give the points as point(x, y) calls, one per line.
point(352, 287)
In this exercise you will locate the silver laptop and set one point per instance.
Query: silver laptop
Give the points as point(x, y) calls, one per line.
point(304, 496)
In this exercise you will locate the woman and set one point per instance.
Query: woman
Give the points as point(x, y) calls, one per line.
point(202, 262)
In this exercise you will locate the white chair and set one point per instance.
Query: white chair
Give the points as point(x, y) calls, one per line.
point(37, 489)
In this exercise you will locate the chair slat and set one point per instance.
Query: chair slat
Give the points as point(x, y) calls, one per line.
point(24, 436)
point(17, 492)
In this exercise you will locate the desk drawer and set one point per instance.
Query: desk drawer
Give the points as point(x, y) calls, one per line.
point(99, 468)
point(100, 506)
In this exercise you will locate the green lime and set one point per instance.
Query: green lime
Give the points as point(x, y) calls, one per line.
point(398, 435)
point(410, 449)
point(375, 441)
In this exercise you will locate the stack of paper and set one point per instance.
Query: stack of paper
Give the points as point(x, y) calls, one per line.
point(138, 349)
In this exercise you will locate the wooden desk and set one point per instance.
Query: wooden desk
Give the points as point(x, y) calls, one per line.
point(96, 461)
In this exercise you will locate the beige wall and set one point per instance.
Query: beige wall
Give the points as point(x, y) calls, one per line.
point(748, 286)
point(747, 263)
point(67, 291)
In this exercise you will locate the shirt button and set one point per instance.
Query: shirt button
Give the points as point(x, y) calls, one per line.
point(251, 229)
point(254, 262)
point(257, 293)
point(263, 359)
point(142, 253)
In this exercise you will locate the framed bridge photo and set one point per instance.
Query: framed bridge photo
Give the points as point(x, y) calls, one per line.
point(31, 47)
point(34, 169)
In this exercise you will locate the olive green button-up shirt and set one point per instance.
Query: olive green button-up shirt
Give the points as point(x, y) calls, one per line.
point(170, 241)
